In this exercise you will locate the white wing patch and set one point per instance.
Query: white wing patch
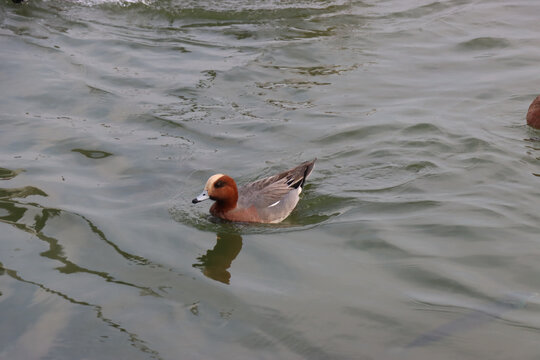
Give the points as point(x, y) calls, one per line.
point(274, 204)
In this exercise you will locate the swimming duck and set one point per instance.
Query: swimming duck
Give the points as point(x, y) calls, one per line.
point(268, 200)
point(533, 115)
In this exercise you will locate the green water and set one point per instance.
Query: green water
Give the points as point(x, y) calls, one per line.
point(422, 210)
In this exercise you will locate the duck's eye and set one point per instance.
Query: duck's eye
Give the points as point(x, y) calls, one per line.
point(218, 184)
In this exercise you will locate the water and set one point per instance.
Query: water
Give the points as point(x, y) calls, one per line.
point(421, 214)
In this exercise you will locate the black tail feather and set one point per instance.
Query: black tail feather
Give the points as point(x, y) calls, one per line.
point(307, 171)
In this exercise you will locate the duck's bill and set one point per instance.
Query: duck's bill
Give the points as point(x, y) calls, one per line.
point(203, 196)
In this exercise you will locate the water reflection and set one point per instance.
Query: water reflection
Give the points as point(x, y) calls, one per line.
point(216, 262)
point(93, 154)
point(13, 212)
point(33, 218)
point(7, 174)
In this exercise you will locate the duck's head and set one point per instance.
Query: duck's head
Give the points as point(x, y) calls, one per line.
point(220, 188)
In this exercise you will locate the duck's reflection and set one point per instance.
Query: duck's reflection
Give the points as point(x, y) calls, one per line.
point(215, 262)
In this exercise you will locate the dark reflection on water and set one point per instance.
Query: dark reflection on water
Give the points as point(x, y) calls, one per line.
point(215, 263)
point(7, 174)
point(93, 154)
point(21, 192)
point(13, 212)
point(133, 337)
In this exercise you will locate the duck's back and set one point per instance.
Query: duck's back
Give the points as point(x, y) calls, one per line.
point(275, 197)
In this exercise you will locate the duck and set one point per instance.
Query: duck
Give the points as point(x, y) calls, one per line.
point(533, 115)
point(267, 200)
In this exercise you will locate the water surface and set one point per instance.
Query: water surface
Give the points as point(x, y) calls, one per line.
point(421, 214)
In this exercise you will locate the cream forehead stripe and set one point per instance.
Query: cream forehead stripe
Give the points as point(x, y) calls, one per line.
point(212, 180)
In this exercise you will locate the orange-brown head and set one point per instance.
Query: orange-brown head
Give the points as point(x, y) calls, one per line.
point(222, 189)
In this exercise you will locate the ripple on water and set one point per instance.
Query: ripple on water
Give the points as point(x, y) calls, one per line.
point(355, 132)
point(311, 210)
